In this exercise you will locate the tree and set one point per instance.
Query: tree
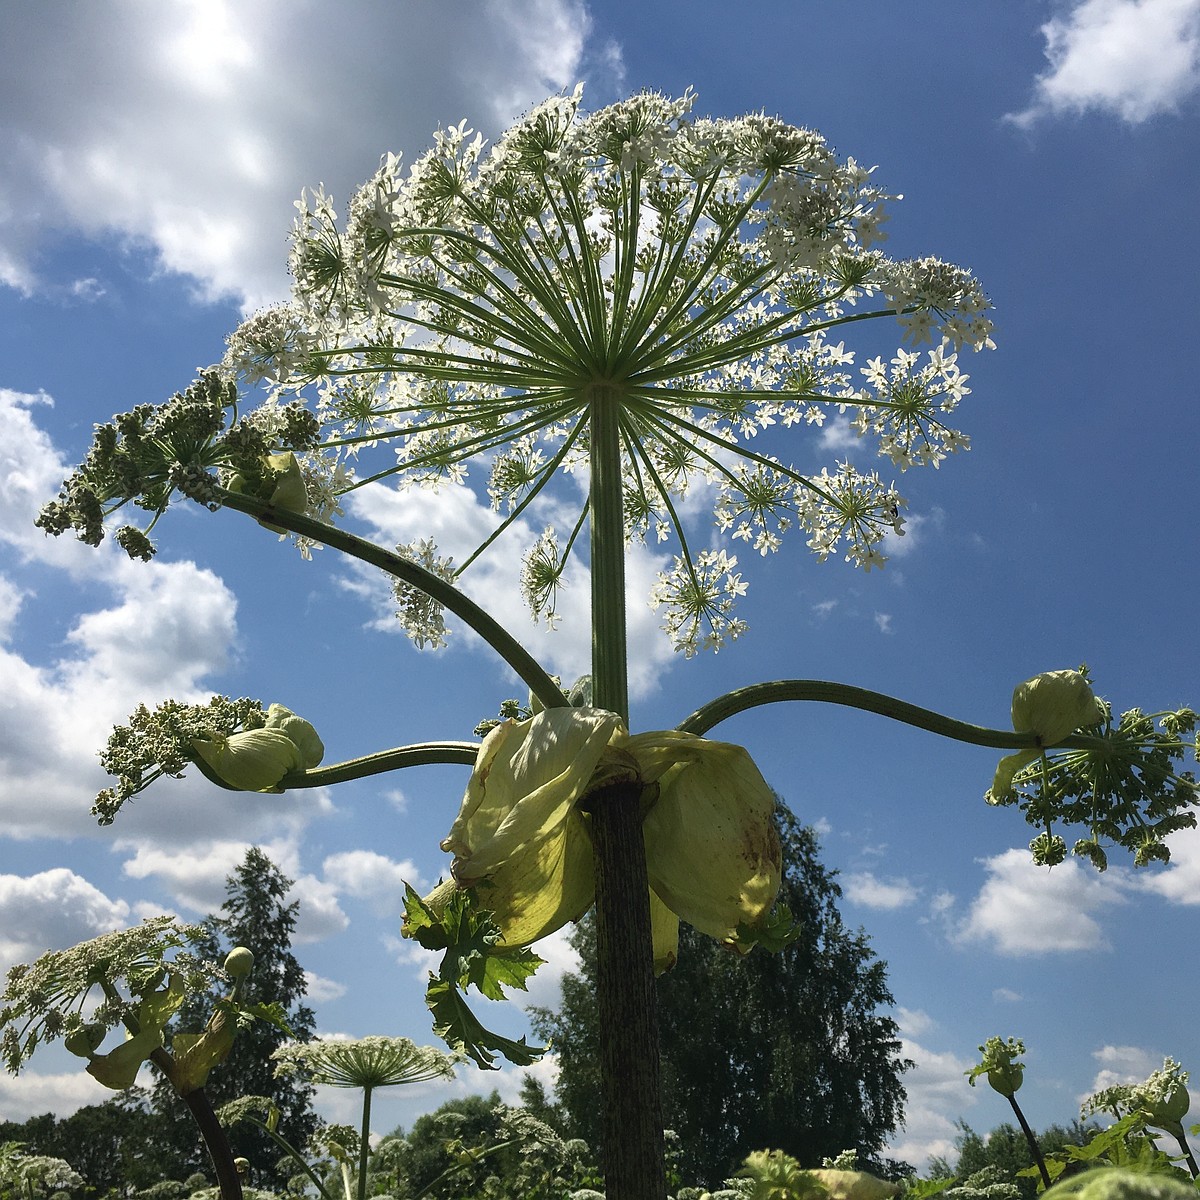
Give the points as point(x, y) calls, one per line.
point(255, 915)
point(116, 1147)
point(786, 1051)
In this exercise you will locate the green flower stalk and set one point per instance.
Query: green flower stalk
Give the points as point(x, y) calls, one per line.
point(1005, 1075)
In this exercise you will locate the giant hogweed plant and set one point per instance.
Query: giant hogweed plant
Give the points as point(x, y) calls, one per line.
point(603, 317)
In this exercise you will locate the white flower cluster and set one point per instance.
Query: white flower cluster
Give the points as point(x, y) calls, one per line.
point(422, 617)
point(689, 271)
point(699, 597)
point(908, 405)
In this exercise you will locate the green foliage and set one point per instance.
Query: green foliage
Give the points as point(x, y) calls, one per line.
point(479, 1147)
point(1125, 1143)
point(114, 1146)
point(787, 1050)
point(474, 956)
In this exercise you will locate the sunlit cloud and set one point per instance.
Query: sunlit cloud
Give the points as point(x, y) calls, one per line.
point(136, 162)
point(1135, 59)
point(1024, 909)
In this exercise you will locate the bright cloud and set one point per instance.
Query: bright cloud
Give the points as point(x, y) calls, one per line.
point(862, 887)
point(1133, 58)
point(136, 161)
point(1026, 909)
point(1123, 1064)
point(458, 522)
point(936, 1098)
point(1178, 882)
point(165, 628)
point(320, 990)
point(373, 877)
point(32, 1093)
point(51, 910)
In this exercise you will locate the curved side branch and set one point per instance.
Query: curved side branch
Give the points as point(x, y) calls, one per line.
point(732, 703)
point(418, 755)
point(496, 636)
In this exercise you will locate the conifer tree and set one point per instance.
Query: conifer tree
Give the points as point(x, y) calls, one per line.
point(786, 1051)
point(256, 915)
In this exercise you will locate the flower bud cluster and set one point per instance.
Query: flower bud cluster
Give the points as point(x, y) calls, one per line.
point(153, 452)
point(257, 760)
point(159, 741)
point(1121, 780)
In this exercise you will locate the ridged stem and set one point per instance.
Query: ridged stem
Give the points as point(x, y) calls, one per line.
point(629, 1063)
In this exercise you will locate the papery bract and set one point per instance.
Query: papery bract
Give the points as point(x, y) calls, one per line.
point(520, 838)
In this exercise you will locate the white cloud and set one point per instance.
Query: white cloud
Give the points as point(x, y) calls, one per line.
point(456, 519)
point(1026, 909)
point(320, 915)
point(1122, 1064)
point(545, 988)
point(1003, 995)
point(914, 1022)
point(837, 436)
point(31, 472)
point(883, 622)
point(30, 1094)
point(917, 527)
point(373, 877)
point(862, 887)
point(320, 990)
point(226, 111)
point(936, 1098)
point(1133, 58)
point(1179, 882)
point(51, 910)
point(11, 598)
point(195, 875)
point(154, 629)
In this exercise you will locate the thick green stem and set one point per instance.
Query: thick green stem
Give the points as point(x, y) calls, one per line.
point(215, 1142)
point(1035, 1149)
point(364, 1144)
point(496, 636)
point(633, 1126)
point(610, 684)
point(634, 1164)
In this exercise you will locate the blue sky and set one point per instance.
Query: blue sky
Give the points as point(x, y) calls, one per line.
point(152, 154)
